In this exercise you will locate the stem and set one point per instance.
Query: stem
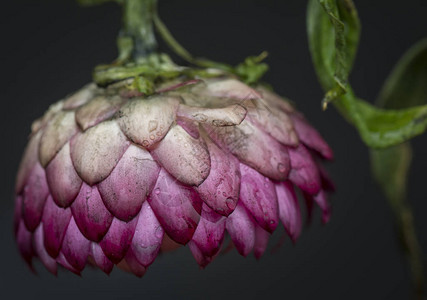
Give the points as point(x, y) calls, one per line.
point(410, 242)
point(137, 39)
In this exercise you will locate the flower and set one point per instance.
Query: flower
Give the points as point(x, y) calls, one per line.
point(112, 177)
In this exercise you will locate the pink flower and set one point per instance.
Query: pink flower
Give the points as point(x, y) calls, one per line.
point(111, 177)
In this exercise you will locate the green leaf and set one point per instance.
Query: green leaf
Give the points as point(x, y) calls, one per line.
point(333, 31)
point(390, 169)
point(406, 86)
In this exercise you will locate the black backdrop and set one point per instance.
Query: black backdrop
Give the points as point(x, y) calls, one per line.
point(48, 49)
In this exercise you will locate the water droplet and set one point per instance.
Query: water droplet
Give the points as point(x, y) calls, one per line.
point(152, 125)
point(272, 222)
point(159, 232)
point(266, 179)
point(157, 191)
point(281, 167)
point(152, 137)
point(230, 203)
point(145, 143)
point(185, 145)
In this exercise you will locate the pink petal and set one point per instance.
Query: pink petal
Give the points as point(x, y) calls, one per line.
point(97, 110)
point(220, 190)
point(254, 148)
point(322, 200)
point(241, 228)
point(96, 152)
point(47, 261)
point(225, 116)
point(289, 209)
point(75, 247)
point(17, 217)
point(128, 185)
point(185, 158)
point(80, 97)
point(55, 222)
point(273, 121)
point(148, 236)
point(261, 241)
point(304, 172)
point(173, 205)
point(100, 259)
point(275, 101)
point(35, 194)
point(64, 262)
point(258, 194)
point(201, 259)
point(310, 137)
point(56, 134)
point(29, 160)
point(231, 88)
point(209, 235)
point(90, 213)
point(25, 243)
point(147, 121)
point(134, 265)
point(117, 240)
point(190, 126)
point(64, 183)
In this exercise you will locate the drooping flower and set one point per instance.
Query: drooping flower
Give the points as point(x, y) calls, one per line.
point(111, 176)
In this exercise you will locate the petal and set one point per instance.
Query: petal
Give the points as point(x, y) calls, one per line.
point(47, 261)
point(201, 259)
point(209, 235)
point(258, 194)
point(64, 262)
point(231, 88)
point(90, 213)
point(97, 110)
point(96, 152)
point(310, 137)
point(254, 148)
point(304, 172)
point(80, 97)
point(322, 200)
point(220, 190)
point(173, 205)
point(275, 101)
point(185, 158)
point(190, 126)
point(147, 121)
point(241, 228)
point(35, 194)
point(75, 247)
point(100, 259)
point(274, 122)
point(134, 265)
point(25, 243)
point(148, 236)
point(29, 160)
point(226, 116)
point(117, 240)
point(128, 185)
point(56, 134)
point(261, 241)
point(55, 222)
point(63, 180)
point(289, 209)
point(17, 216)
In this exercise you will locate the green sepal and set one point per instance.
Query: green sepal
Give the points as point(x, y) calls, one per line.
point(252, 69)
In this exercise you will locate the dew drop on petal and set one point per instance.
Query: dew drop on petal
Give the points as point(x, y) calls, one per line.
point(230, 203)
point(157, 191)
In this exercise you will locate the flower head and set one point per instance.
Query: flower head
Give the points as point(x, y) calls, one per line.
point(112, 177)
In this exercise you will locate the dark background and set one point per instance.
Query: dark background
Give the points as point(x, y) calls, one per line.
point(48, 49)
